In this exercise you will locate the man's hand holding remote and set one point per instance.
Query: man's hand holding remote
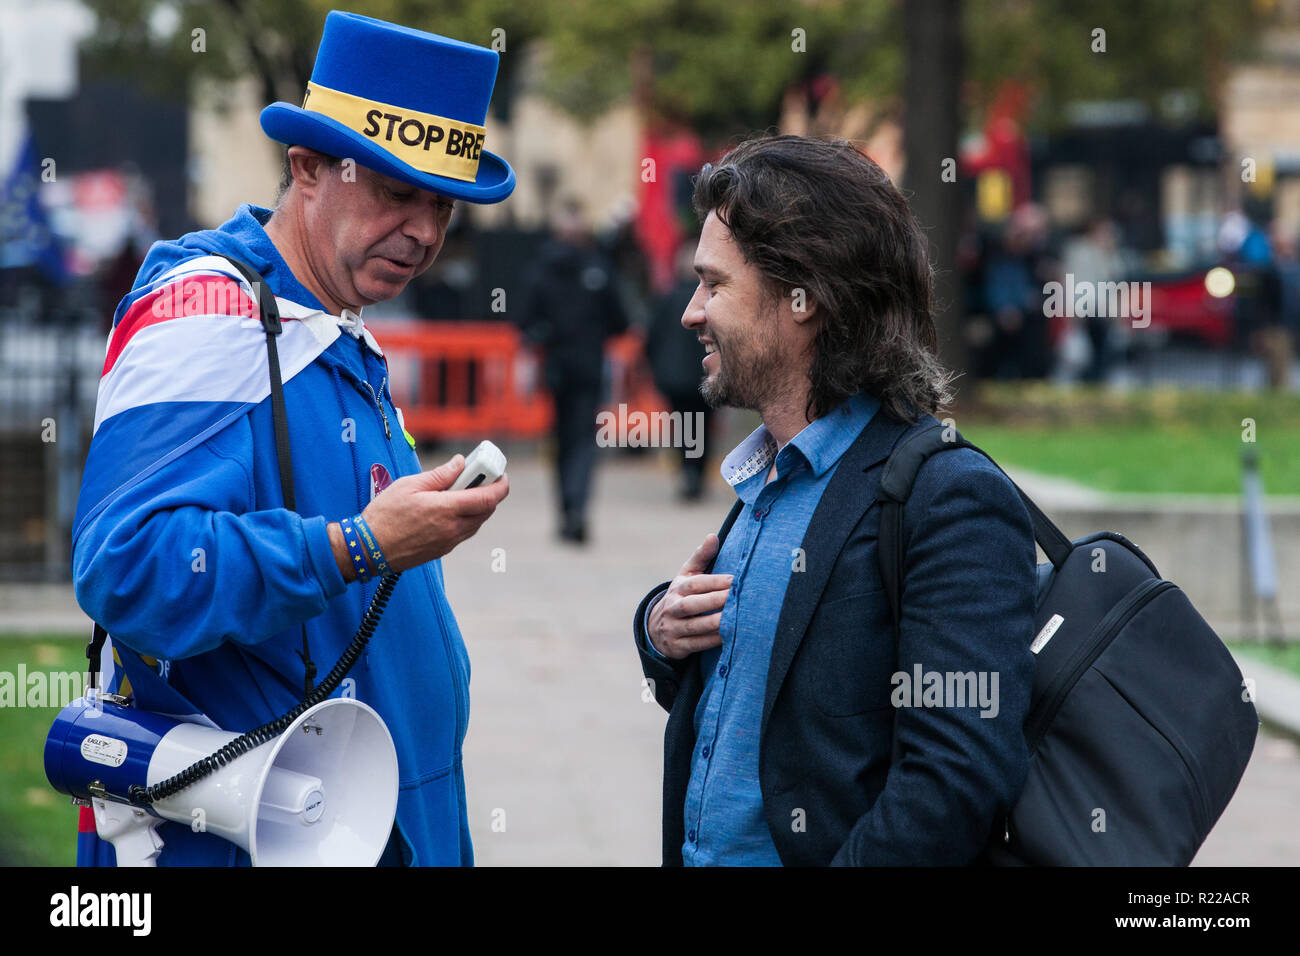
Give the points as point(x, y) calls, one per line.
point(416, 519)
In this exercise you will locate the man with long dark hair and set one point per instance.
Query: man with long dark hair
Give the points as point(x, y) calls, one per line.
point(774, 651)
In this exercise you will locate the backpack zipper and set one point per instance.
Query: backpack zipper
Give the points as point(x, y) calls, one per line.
point(1041, 717)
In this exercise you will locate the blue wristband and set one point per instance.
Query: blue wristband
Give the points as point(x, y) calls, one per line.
point(358, 555)
point(371, 545)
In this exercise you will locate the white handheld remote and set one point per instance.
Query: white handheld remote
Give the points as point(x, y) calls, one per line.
point(484, 465)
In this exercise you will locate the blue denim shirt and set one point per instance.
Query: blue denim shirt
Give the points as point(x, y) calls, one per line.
point(725, 824)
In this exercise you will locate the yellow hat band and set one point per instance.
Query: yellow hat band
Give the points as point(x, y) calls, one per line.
point(429, 143)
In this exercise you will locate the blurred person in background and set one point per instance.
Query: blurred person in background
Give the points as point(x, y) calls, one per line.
point(1280, 352)
point(117, 278)
point(1015, 273)
point(675, 358)
point(1095, 256)
point(1287, 245)
point(1259, 296)
point(973, 247)
point(571, 307)
point(445, 292)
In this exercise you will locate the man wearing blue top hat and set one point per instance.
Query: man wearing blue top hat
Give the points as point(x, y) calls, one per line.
point(221, 603)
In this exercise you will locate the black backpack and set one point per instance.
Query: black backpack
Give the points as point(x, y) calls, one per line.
point(1140, 725)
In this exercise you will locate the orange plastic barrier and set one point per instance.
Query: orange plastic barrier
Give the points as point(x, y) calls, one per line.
point(480, 380)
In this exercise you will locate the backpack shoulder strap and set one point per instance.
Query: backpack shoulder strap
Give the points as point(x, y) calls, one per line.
point(896, 485)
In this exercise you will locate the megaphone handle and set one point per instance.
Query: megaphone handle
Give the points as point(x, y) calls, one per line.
point(132, 831)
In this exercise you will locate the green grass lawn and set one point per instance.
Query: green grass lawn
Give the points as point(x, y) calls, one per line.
point(37, 825)
point(1286, 657)
point(1149, 441)
point(1143, 458)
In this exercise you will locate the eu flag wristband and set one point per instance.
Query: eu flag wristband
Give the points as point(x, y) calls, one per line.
point(371, 546)
point(355, 550)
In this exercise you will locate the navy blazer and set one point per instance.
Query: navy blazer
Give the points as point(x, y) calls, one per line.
point(829, 791)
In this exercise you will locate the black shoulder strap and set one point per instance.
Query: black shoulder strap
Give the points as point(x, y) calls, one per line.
point(732, 515)
point(896, 485)
point(94, 654)
point(270, 315)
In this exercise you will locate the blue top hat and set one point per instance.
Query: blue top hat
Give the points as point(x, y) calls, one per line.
point(405, 103)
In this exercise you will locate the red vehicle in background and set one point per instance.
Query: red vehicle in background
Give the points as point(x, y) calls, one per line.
point(1194, 306)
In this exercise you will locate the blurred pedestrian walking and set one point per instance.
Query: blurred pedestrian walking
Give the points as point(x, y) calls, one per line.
point(1095, 257)
point(570, 308)
point(675, 359)
point(1016, 273)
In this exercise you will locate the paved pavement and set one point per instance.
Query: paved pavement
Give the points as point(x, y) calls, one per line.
point(560, 737)
point(1261, 826)
point(563, 755)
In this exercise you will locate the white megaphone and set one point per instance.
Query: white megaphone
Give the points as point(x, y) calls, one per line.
point(323, 793)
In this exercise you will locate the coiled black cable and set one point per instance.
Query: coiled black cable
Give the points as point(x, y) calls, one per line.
point(143, 796)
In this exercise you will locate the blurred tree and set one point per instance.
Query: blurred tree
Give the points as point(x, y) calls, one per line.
point(727, 69)
point(154, 41)
point(1153, 50)
point(719, 67)
point(931, 129)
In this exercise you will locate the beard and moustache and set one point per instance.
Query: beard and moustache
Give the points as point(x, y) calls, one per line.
point(750, 371)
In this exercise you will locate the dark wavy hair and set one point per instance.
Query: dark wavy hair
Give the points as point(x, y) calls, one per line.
point(821, 216)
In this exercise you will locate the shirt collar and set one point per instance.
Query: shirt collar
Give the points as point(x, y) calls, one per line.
point(826, 440)
point(751, 457)
point(821, 443)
